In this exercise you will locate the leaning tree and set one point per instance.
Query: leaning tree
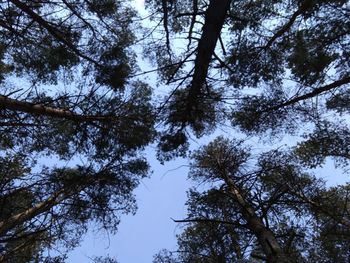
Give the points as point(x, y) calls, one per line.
point(73, 122)
point(260, 209)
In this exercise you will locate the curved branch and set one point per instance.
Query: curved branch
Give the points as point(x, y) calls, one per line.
point(304, 6)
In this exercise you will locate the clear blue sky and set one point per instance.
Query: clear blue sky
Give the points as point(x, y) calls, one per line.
point(159, 199)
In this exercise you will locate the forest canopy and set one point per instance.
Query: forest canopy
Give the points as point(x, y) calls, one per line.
point(77, 113)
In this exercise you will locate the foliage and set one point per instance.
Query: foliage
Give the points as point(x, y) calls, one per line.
point(67, 100)
point(276, 65)
point(309, 221)
point(58, 204)
point(70, 93)
point(276, 68)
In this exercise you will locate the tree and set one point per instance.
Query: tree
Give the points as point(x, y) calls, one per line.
point(263, 66)
point(39, 209)
point(67, 93)
point(267, 68)
point(264, 210)
point(72, 42)
point(69, 90)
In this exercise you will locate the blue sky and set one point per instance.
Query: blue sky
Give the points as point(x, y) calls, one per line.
point(159, 198)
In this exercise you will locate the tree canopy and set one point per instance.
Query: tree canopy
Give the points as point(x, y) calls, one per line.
point(265, 209)
point(76, 115)
point(67, 95)
point(262, 66)
point(267, 69)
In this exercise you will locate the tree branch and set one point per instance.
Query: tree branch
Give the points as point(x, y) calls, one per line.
point(304, 6)
point(206, 220)
point(312, 94)
point(53, 31)
point(40, 109)
point(30, 213)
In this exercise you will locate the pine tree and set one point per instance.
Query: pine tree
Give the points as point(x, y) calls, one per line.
point(265, 209)
point(67, 94)
point(266, 69)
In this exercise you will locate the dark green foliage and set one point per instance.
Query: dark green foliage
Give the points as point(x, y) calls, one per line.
point(90, 34)
point(307, 62)
point(339, 102)
point(278, 67)
point(172, 145)
point(253, 116)
point(333, 241)
point(272, 59)
point(66, 95)
point(309, 221)
point(68, 92)
point(203, 120)
point(73, 198)
point(118, 64)
point(105, 8)
point(100, 140)
point(210, 241)
point(219, 158)
point(326, 141)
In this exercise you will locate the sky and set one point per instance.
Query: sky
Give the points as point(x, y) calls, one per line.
point(159, 198)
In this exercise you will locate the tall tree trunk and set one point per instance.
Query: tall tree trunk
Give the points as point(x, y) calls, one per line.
point(214, 20)
point(32, 212)
point(266, 238)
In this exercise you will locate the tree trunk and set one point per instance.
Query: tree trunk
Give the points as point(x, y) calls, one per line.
point(265, 237)
point(214, 20)
point(31, 212)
